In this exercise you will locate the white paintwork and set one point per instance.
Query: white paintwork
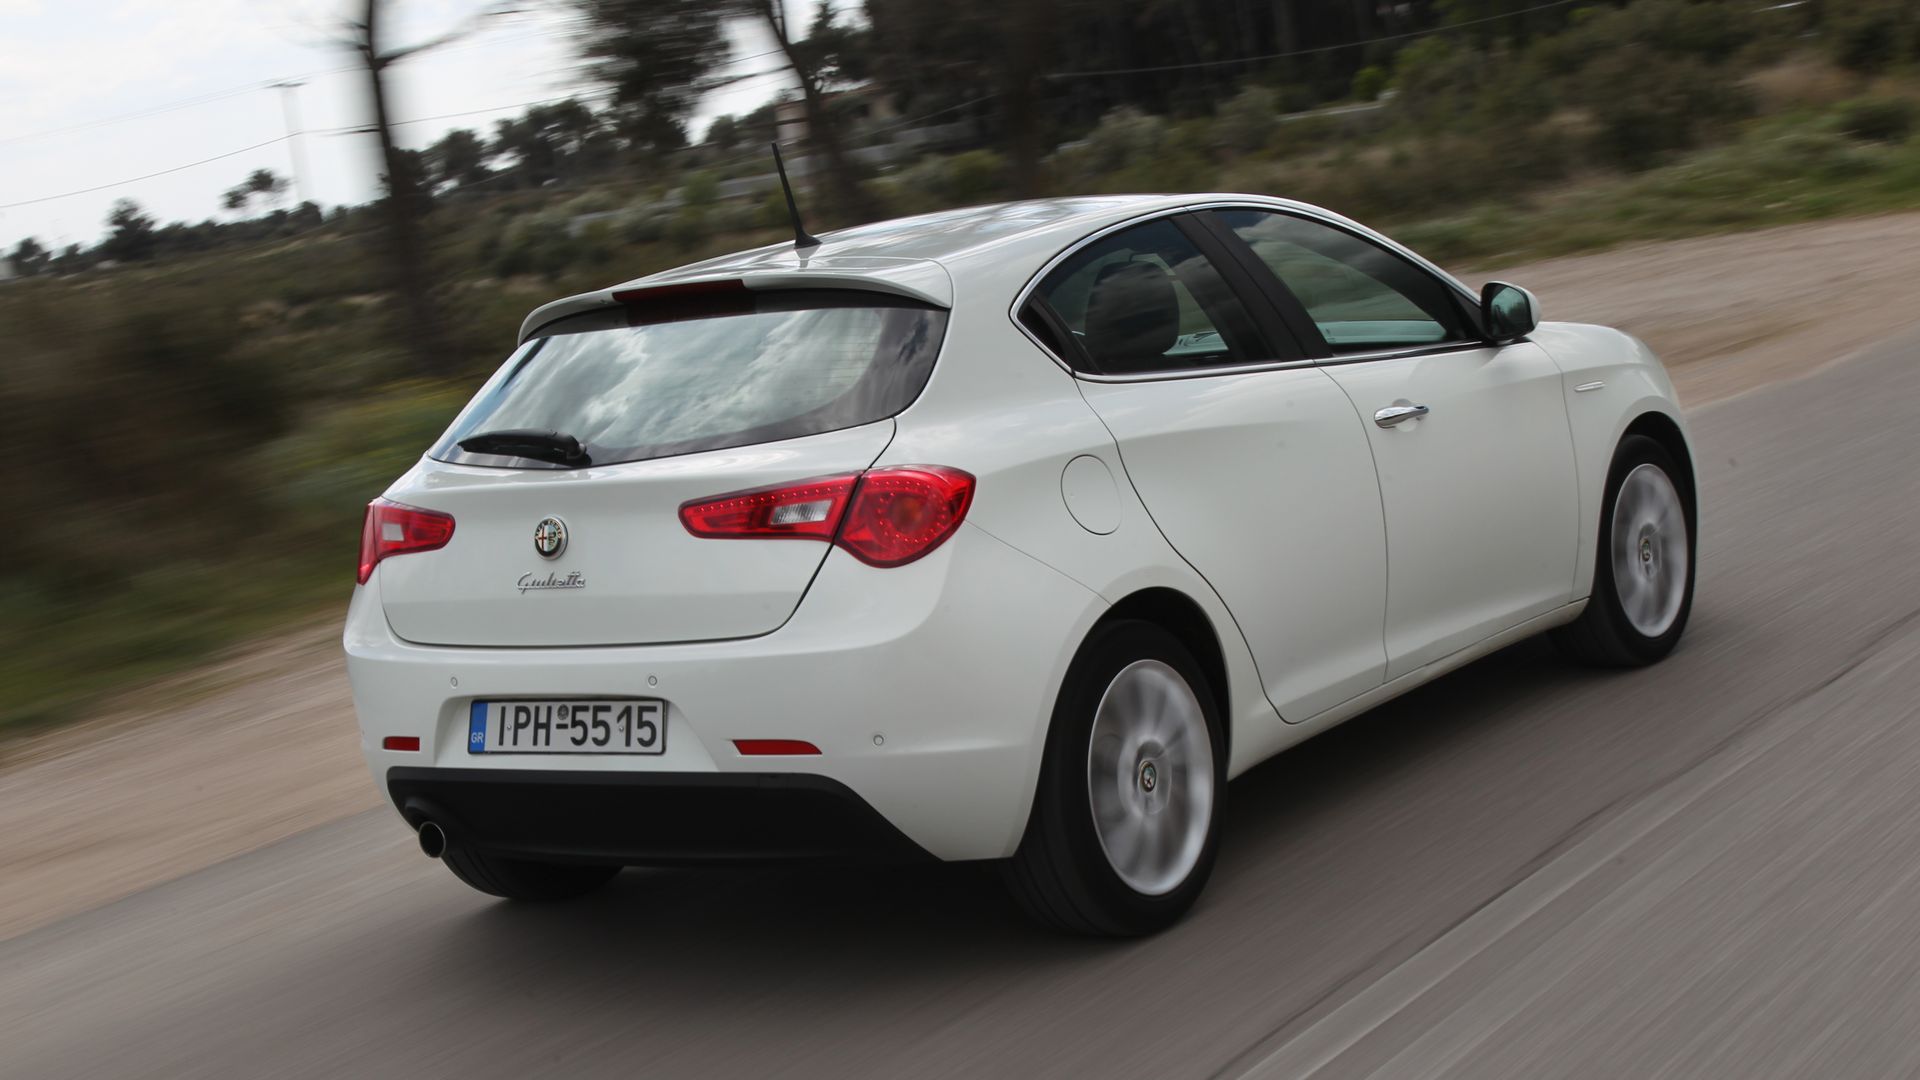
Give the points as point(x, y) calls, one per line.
point(1264, 483)
point(1254, 495)
point(1091, 495)
point(645, 578)
point(1480, 499)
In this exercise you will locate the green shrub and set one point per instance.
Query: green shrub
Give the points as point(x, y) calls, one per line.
point(1646, 107)
point(1439, 82)
point(1886, 119)
point(1711, 31)
point(1871, 35)
point(1369, 82)
point(346, 455)
point(1125, 136)
point(700, 189)
point(688, 227)
point(1248, 119)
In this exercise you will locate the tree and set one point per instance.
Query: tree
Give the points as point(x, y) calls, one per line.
point(723, 132)
point(406, 201)
point(29, 258)
point(657, 57)
point(551, 142)
point(813, 64)
point(260, 182)
point(459, 159)
point(131, 236)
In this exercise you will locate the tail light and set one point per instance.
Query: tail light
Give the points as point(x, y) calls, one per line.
point(393, 528)
point(883, 517)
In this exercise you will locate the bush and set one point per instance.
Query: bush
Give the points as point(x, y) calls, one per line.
point(1888, 120)
point(1123, 137)
point(1248, 119)
point(1646, 107)
point(1370, 82)
point(1710, 32)
point(701, 189)
point(974, 177)
point(1871, 35)
point(536, 244)
point(1439, 82)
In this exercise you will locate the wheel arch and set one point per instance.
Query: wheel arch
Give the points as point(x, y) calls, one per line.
point(1184, 618)
point(1662, 429)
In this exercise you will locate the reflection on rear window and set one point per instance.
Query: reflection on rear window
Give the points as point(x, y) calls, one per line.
point(632, 384)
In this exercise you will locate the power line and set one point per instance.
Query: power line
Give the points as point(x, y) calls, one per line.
point(1306, 52)
point(174, 106)
point(148, 176)
point(363, 129)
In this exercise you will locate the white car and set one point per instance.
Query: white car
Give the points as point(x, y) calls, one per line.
point(1009, 533)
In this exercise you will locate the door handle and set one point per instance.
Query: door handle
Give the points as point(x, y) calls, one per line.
point(1395, 415)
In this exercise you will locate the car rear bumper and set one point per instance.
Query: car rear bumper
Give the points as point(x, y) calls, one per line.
point(648, 818)
point(927, 689)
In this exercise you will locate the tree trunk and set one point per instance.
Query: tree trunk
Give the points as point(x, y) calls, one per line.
point(411, 276)
point(823, 136)
point(1019, 90)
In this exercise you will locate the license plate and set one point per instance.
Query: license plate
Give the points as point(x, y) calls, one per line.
point(629, 726)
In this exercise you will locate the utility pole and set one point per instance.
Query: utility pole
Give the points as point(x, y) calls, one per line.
point(296, 153)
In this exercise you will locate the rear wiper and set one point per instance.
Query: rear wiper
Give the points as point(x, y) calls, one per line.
point(561, 449)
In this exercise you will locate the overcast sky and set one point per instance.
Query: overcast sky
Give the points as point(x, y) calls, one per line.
point(97, 91)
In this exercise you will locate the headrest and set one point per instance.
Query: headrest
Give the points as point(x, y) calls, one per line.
point(1133, 317)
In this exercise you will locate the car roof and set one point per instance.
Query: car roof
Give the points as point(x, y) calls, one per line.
point(919, 256)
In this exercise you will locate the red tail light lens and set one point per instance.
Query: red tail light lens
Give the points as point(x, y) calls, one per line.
point(883, 517)
point(392, 528)
point(901, 514)
point(809, 510)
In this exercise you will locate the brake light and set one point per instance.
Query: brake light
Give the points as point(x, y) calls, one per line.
point(901, 514)
point(883, 517)
point(392, 528)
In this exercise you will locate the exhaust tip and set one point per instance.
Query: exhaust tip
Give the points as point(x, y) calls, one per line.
point(433, 840)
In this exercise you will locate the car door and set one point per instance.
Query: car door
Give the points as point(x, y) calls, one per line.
point(1470, 440)
point(1249, 459)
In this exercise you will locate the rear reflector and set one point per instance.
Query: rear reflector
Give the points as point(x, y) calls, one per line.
point(883, 517)
point(392, 528)
point(400, 742)
point(774, 747)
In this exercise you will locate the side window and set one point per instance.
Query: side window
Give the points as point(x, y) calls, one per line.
point(1361, 296)
point(1145, 299)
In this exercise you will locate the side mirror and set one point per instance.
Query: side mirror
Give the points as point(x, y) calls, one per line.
point(1509, 312)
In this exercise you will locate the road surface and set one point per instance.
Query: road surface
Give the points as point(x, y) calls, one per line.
point(1706, 868)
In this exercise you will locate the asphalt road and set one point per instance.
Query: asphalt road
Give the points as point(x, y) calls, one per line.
point(1707, 868)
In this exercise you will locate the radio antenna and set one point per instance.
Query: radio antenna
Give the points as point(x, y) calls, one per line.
point(801, 238)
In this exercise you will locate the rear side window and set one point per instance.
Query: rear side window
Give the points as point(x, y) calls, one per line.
point(634, 383)
point(1360, 295)
point(1146, 300)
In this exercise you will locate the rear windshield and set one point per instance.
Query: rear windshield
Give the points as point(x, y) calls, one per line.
point(633, 383)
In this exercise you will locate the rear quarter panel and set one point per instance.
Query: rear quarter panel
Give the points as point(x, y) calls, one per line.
point(1002, 409)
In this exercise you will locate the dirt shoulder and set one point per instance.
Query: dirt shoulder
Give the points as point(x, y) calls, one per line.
point(178, 776)
point(1729, 313)
point(263, 745)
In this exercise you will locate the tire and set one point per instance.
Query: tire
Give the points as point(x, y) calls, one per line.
point(1638, 546)
point(1146, 784)
point(519, 879)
